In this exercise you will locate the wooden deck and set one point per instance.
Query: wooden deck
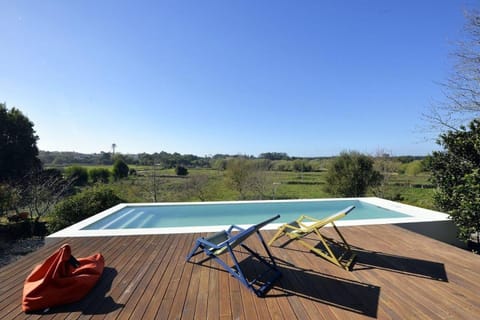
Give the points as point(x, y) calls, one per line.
point(398, 275)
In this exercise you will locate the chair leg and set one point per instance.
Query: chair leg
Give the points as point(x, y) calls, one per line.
point(329, 255)
point(193, 252)
point(277, 235)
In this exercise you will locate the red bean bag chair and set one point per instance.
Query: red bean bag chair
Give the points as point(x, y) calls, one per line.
point(61, 279)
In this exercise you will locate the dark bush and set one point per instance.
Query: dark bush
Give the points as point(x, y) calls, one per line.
point(81, 206)
point(120, 169)
point(181, 171)
point(15, 230)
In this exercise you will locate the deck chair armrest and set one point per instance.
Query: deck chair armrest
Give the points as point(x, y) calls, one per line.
point(234, 227)
point(305, 217)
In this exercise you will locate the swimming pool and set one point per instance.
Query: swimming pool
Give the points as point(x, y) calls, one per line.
point(161, 218)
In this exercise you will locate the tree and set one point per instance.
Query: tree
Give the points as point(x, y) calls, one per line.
point(387, 166)
point(120, 169)
point(414, 168)
point(238, 174)
point(196, 186)
point(18, 145)
point(246, 176)
point(106, 158)
point(274, 156)
point(10, 198)
point(456, 173)
point(351, 174)
point(152, 183)
point(301, 165)
point(41, 190)
point(462, 88)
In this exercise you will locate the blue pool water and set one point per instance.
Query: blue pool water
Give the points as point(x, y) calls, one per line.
point(194, 215)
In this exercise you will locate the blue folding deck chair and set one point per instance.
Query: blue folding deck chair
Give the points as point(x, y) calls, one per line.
point(225, 241)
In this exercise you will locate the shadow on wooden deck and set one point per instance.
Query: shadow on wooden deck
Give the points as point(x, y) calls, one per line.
point(350, 295)
point(367, 259)
point(404, 265)
point(96, 302)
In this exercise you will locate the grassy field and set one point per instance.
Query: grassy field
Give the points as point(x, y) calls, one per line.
point(414, 190)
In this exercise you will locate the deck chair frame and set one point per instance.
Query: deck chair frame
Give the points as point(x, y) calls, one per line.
point(298, 229)
point(225, 241)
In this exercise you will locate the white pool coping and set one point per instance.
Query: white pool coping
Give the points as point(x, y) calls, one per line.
point(415, 214)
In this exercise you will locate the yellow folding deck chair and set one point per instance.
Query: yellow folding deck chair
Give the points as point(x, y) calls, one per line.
point(298, 229)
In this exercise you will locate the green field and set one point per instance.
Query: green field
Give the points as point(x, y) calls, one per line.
point(414, 190)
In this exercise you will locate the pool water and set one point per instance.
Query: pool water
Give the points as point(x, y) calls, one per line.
point(211, 214)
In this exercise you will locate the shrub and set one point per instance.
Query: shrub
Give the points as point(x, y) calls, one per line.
point(99, 175)
point(81, 206)
point(120, 169)
point(78, 174)
point(181, 171)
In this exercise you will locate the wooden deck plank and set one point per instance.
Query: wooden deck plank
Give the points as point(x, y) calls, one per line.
point(178, 262)
point(398, 274)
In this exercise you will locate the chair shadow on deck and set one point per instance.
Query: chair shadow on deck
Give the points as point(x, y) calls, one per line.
point(346, 294)
point(367, 259)
point(425, 269)
point(96, 301)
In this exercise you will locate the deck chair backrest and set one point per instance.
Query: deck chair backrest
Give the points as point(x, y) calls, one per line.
point(223, 239)
point(331, 218)
point(243, 235)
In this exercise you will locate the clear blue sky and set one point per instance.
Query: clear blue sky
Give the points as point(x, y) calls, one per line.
point(309, 78)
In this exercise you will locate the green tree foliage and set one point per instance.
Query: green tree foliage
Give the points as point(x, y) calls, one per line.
point(18, 145)
point(247, 177)
point(120, 169)
point(274, 156)
point(414, 168)
point(77, 174)
point(351, 174)
point(181, 171)
point(455, 172)
point(81, 206)
point(101, 175)
point(238, 175)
